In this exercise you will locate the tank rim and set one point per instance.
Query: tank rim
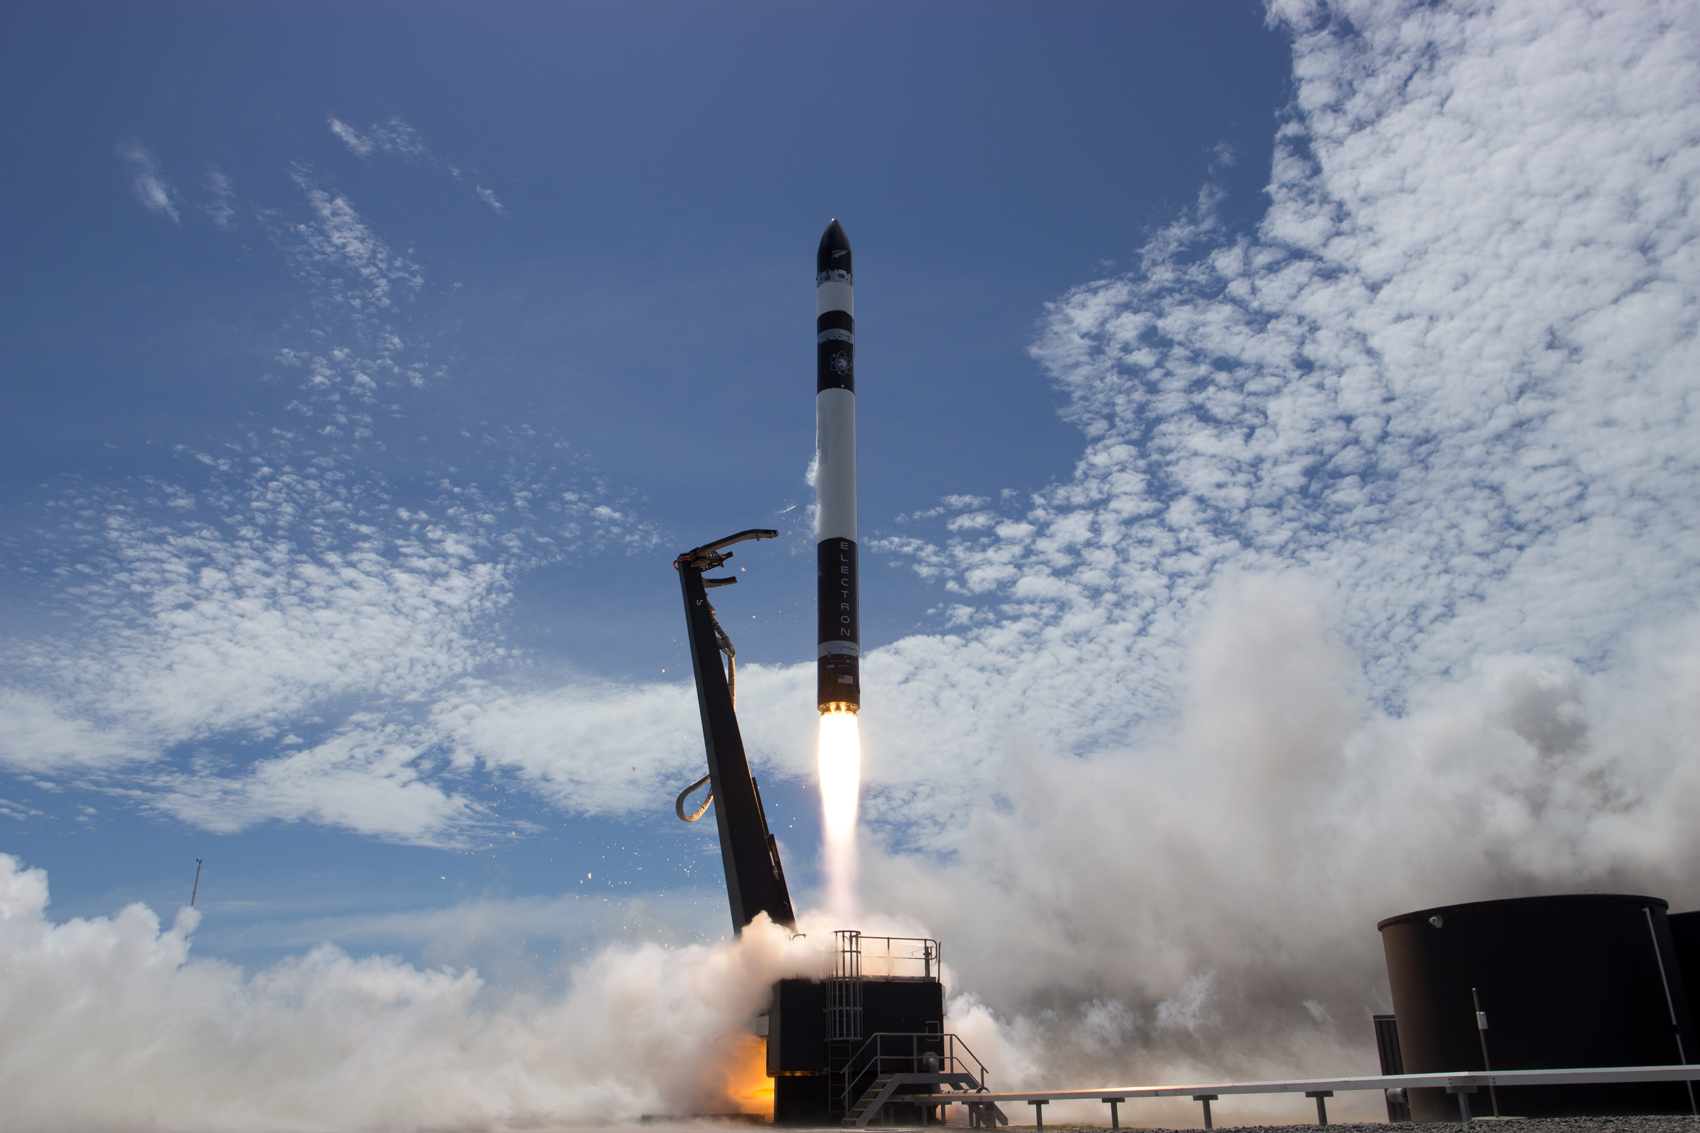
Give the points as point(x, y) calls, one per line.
point(1549, 899)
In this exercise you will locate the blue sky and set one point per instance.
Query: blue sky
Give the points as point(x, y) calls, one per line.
point(1277, 463)
point(590, 221)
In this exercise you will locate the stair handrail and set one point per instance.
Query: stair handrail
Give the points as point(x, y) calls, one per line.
point(952, 1056)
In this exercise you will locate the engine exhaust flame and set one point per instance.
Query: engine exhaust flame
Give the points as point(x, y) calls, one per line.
point(840, 790)
point(743, 1075)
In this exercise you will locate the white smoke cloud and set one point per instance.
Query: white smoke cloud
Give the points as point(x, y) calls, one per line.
point(111, 1024)
point(1201, 905)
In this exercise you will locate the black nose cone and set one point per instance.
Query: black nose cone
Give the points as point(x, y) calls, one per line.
point(833, 259)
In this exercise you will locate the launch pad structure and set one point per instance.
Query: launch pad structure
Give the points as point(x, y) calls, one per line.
point(869, 1040)
point(862, 1043)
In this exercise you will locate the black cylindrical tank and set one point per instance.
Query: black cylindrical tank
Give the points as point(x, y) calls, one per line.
point(1570, 981)
point(1685, 931)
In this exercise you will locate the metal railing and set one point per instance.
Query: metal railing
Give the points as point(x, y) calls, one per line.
point(889, 1053)
point(852, 1062)
point(899, 957)
point(844, 989)
point(1462, 1083)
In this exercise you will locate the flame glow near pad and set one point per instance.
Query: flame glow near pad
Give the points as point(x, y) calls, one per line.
point(840, 789)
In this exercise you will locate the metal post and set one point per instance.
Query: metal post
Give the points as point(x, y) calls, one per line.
point(1463, 1093)
point(1206, 1099)
point(1038, 1114)
point(1658, 955)
point(1321, 1109)
point(1481, 1033)
point(1113, 1103)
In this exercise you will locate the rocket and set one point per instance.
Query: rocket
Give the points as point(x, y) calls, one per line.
point(838, 678)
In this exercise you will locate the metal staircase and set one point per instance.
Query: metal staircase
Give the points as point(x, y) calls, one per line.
point(889, 1066)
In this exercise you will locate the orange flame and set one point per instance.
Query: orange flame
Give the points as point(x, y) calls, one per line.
point(744, 1080)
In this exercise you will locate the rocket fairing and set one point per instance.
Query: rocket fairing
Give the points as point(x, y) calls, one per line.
point(838, 677)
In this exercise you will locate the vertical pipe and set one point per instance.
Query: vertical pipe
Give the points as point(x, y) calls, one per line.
point(1670, 1005)
point(1481, 1033)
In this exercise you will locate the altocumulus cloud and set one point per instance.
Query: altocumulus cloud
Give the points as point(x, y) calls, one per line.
point(152, 189)
point(281, 587)
point(1372, 587)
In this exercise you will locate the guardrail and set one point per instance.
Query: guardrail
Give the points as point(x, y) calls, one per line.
point(1462, 1083)
point(889, 1053)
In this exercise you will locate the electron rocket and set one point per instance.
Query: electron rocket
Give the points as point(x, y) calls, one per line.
point(838, 678)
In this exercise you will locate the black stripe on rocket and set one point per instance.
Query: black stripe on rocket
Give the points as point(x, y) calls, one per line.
point(835, 351)
point(838, 674)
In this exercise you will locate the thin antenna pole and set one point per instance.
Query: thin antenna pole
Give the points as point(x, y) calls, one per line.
point(1659, 955)
point(197, 888)
point(1481, 1033)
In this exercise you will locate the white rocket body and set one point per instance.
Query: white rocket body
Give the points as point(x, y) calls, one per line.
point(838, 664)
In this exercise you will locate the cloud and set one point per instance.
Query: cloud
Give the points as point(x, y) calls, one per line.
point(327, 1040)
point(361, 145)
point(276, 589)
point(222, 210)
point(36, 736)
point(152, 188)
point(1465, 410)
point(367, 777)
point(577, 745)
point(345, 257)
point(392, 137)
point(396, 138)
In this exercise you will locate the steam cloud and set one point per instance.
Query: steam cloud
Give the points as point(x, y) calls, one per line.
point(1374, 588)
point(111, 1025)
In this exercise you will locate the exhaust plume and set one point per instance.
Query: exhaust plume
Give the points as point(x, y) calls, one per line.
point(840, 791)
